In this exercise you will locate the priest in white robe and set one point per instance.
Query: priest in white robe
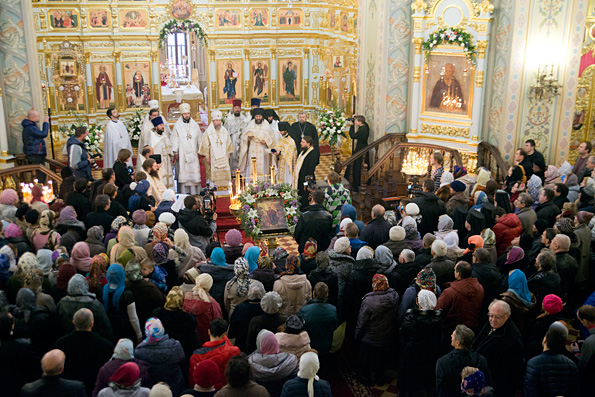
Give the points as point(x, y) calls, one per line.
point(285, 154)
point(236, 123)
point(186, 138)
point(116, 138)
point(146, 127)
point(271, 116)
point(216, 146)
point(256, 141)
point(161, 144)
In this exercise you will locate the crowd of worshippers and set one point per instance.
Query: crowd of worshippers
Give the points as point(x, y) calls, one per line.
point(472, 287)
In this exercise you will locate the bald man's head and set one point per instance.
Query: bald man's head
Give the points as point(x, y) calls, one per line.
point(33, 115)
point(378, 211)
point(83, 320)
point(52, 362)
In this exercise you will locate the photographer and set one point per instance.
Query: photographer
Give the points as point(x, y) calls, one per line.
point(362, 134)
point(124, 174)
point(78, 158)
point(316, 222)
point(193, 221)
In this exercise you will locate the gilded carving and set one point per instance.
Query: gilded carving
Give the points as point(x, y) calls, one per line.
point(418, 6)
point(417, 25)
point(479, 79)
point(229, 53)
point(274, 53)
point(274, 87)
point(290, 52)
point(484, 7)
point(154, 56)
point(214, 94)
point(481, 49)
point(246, 54)
point(417, 41)
point(417, 74)
point(307, 19)
point(117, 56)
point(306, 94)
point(315, 94)
point(445, 130)
point(306, 53)
point(212, 55)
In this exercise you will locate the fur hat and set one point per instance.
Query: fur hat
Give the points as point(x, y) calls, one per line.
point(396, 233)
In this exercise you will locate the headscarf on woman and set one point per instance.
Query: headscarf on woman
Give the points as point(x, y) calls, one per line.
point(426, 300)
point(124, 350)
point(534, 186)
point(65, 273)
point(479, 198)
point(218, 257)
point(160, 232)
point(477, 222)
point(241, 270)
point(292, 265)
point(44, 261)
point(98, 270)
point(517, 175)
point(379, 283)
point(12, 260)
point(4, 272)
point(154, 330)
point(308, 369)
point(474, 242)
point(116, 277)
point(133, 272)
point(251, 256)
point(491, 189)
point(27, 262)
point(140, 190)
point(26, 302)
point(551, 174)
point(175, 299)
point(126, 240)
point(514, 255)
point(426, 279)
point(203, 282)
point(194, 254)
point(483, 177)
point(488, 236)
point(266, 343)
point(445, 224)
point(410, 227)
point(36, 194)
point(81, 257)
point(385, 258)
point(78, 286)
point(517, 284)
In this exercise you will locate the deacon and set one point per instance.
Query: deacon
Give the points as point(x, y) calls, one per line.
point(185, 139)
point(302, 129)
point(285, 154)
point(216, 146)
point(236, 123)
point(254, 103)
point(257, 138)
point(146, 127)
point(161, 144)
point(116, 138)
point(305, 166)
point(271, 116)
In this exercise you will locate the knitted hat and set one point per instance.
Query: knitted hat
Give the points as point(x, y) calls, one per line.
point(341, 245)
point(344, 223)
point(271, 302)
point(459, 171)
point(565, 225)
point(552, 304)
point(168, 218)
point(446, 179)
point(160, 231)
point(412, 209)
point(584, 216)
point(9, 197)
point(206, 373)
point(13, 231)
point(396, 233)
point(139, 217)
point(426, 299)
point(126, 375)
point(160, 389)
point(365, 252)
point(160, 252)
point(233, 237)
point(95, 232)
point(457, 186)
point(588, 191)
point(68, 214)
point(32, 216)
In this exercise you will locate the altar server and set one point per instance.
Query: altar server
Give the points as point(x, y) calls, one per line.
point(116, 138)
point(186, 138)
point(285, 154)
point(161, 144)
point(146, 127)
point(257, 138)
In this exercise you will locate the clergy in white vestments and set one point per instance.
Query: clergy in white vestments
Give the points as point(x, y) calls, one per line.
point(185, 138)
point(271, 116)
point(216, 146)
point(257, 138)
point(146, 127)
point(235, 124)
point(116, 138)
point(285, 154)
point(161, 144)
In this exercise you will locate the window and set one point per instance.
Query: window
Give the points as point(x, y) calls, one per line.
point(177, 51)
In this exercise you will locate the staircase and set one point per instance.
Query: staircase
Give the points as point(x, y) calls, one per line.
point(488, 157)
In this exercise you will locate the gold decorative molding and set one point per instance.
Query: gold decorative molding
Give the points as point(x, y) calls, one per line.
point(445, 130)
point(273, 53)
point(417, 25)
point(322, 95)
point(122, 97)
point(479, 79)
point(274, 92)
point(157, 91)
point(0, 92)
point(154, 55)
point(306, 53)
point(413, 131)
point(212, 55)
point(416, 74)
point(90, 99)
point(246, 54)
point(417, 41)
point(481, 49)
point(306, 93)
point(418, 6)
point(307, 19)
point(87, 55)
point(214, 94)
point(117, 55)
point(314, 94)
point(484, 7)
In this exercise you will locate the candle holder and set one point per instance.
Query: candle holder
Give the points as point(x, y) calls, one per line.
point(254, 171)
point(273, 174)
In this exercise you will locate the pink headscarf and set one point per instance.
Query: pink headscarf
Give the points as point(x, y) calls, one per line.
point(81, 257)
point(267, 343)
point(246, 246)
point(36, 194)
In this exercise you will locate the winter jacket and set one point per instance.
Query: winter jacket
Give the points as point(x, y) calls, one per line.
point(583, 234)
point(231, 297)
point(19, 364)
point(551, 374)
point(331, 280)
point(341, 265)
point(423, 257)
point(449, 367)
point(375, 323)
point(507, 229)
point(266, 276)
point(220, 351)
point(376, 232)
point(292, 343)
point(147, 298)
point(444, 269)
point(518, 310)
point(51, 386)
point(459, 198)
point(78, 158)
point(320, 323)
point(21, 244)
point(240, 321)
point(295, 290)
point(408, 300)
point(99, 218)
point(199, 231)
point(164, 357)
point(315, 222)
point(460, 303)
point(298, 387)
point(34, 138)
point(527, 217)
point(221, 275)
point(430, 208)
point(396, 247)
point(96, 247)
point(547, 211)
point(272, 370)
point(113, 365)
point(70, 304)
point(566, 266)
point(180, 326)
point(356, 244)
point(204, 312)
point(536, 330)
point(488, 276)
point(544, 283)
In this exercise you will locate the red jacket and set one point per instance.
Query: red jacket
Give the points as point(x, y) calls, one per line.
point(205, 312)
point(220, 351)
point(507, 229)
point(460, 303)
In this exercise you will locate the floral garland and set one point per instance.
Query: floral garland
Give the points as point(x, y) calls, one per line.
point(93, 142)
point(452, 37)
point(249, 217)
point(136, 124)
point(175, 26)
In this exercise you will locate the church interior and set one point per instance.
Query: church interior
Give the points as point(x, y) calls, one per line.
point(471, 79)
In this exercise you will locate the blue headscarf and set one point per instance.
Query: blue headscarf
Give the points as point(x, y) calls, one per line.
point(251, 256)
point(116, 276)
point(349, 210)
point(4, 266)
point(480, 199)
point(218, 257)
point(517, 284)
point(140, 190)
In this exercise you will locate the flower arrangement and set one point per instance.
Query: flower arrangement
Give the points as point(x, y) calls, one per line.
point(449, 36)
point(331, 126)
point(249, 217)
point(186, 25)
point(135, 127)
point(93, 142)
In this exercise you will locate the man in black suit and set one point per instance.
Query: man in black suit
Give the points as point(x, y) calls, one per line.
point(302, 129)
point(305, 166)
point(362, 134)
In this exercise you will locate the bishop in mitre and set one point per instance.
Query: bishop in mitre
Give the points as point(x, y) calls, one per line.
point(116, 138)
point(256, 140)
point(285, 154)
point(216, 146)
point(161, 144)
point(146, 128)
point(236, 123)
point(185, 139)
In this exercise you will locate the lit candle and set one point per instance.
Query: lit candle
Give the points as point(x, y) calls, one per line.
point(238, 177)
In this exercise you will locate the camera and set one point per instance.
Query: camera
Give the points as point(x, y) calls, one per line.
point(209, 201)
point(92, 161)
point(130, 170)
point(350, 119)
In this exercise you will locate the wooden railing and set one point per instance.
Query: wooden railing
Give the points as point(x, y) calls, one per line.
point(18, 175)
point(488, 156)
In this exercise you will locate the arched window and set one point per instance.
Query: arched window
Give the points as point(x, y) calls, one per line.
point(177, 51)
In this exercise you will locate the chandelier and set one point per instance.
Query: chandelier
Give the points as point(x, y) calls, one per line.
point(546, 85)
point(415, 162)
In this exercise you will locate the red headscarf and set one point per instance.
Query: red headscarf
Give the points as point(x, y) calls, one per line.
point(379, 282)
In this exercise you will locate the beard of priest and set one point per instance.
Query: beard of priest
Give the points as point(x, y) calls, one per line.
point(237, 111)
point(305, 166)
point(152, 168)
point(258, 119)
point(159, 128)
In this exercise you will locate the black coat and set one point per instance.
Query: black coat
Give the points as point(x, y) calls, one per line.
point(449, 367)
point(396, 247)
point(362, 134)
point(117, 209)
point(359, 284)
point(444, 269)
point(548, 211)
point(194, 223)
point(551, 374)
point(309, 130)
point(376, 232)
point(272, 322)
point(423, 257)
point(544, 283)
point(66, 187)
point(488, 276)
point(315, 222)
point(180, 326)
point(536, 330)
point(566, 266)
point(240, 321)
point(22, 245)
point(331, 280)
point(123, 177)
point(18, 365)
point(308, 168)
point(99, 218)
point(53, 386)
point(503, 349)
point(430, 208)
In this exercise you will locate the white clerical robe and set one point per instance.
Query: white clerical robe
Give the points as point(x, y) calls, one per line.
point(217, 146)
point(161, 144)
point(236, 126)
point(186, 139)
point(116, 138)
point(286, 160)
point(263, 138)
point(145, 135)
point(275, 128)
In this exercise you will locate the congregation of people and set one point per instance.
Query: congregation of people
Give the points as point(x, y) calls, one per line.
point(471, 288)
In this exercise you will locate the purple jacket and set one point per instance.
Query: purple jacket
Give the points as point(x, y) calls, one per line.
point(375, 323)
point(113, 365)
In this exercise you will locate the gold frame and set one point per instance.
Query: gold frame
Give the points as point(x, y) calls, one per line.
point(251, 81)
point(298, 79)
point(278, 19)
point(470, 77)
point(124, 62)
point(74, 11)
point(94, 87)
point(239, 89)
point(122, 11)
point(266, 25)
point(240, 18)
point(171, 4)
point(109, 18)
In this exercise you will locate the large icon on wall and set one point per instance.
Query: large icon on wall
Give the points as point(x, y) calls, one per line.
point(99, 19)
point(134, 19)
point(229, 81)
point(228, 18)
point(63, 19)
point(289, 17)
point(448, 85)
point(137, 81)
point(291, 77)
point(68, 67)
point(260, 80)
point(258, 18)
point(181, 9)
point(103, 75)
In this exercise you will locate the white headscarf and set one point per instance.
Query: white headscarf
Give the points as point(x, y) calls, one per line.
point(309, 366)
point(565, 168)
point(168, 195)
point(6, 250)
point(426, 299)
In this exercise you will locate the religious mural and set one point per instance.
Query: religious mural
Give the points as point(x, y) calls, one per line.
point(99, 19)
point(181, 9)
point(270, 213)
point(64, 19)
point(333, 20)
point(228, 18)
point(289, 17)
point(258, 18)
point(103, 76)
point(229, 81)
point(338, 61)
point(344, 17)
point(260, 80)
point(291, 77)
point(134, 19)
point(137, 81)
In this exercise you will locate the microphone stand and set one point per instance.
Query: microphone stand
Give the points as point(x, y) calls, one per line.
point(50, 132)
